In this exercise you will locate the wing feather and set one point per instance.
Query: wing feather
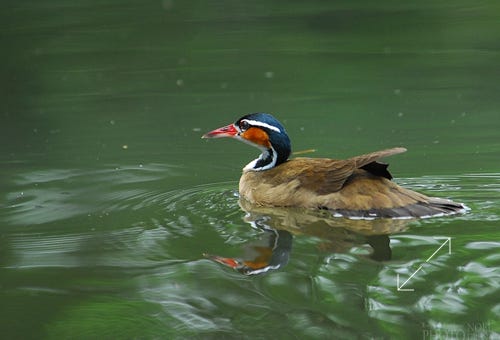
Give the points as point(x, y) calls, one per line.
point(316, 175)
point(366, 159)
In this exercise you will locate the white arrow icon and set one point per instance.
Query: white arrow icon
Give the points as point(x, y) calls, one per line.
point(400, 288)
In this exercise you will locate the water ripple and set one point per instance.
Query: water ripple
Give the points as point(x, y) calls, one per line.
point(49, 195)
point(126, 236)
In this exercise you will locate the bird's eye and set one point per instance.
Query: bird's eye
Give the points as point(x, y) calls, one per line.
point(244, 125)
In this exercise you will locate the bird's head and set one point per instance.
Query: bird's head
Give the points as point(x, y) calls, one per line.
point(262, 131)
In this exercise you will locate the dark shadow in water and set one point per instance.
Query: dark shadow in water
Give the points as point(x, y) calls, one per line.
point(338, 235)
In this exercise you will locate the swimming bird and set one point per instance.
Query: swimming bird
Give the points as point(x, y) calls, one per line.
point(360, 187)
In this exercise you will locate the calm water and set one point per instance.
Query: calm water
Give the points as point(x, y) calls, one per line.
point(110, 201)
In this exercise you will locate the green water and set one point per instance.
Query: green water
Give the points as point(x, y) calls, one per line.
point(109, 198)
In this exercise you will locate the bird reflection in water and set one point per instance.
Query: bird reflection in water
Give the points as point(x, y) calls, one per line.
point(271, 252)
point(278, 225)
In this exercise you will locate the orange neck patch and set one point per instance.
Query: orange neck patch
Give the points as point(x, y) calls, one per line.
point(257, 136)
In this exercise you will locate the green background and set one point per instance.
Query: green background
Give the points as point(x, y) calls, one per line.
point(109, 197)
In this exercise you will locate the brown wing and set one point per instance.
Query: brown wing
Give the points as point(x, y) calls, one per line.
point(314, 175)
point(369, 162)
point(365, 159)
point(326, 175)
point(323, 175)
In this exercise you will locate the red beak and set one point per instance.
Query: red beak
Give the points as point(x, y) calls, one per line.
point(227, 261)
point(225, 131)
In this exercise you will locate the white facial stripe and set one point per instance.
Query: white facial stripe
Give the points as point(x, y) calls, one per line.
point(257, 123)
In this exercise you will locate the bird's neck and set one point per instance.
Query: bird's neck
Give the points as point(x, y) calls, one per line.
point(267, 160)
point(277, 153)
